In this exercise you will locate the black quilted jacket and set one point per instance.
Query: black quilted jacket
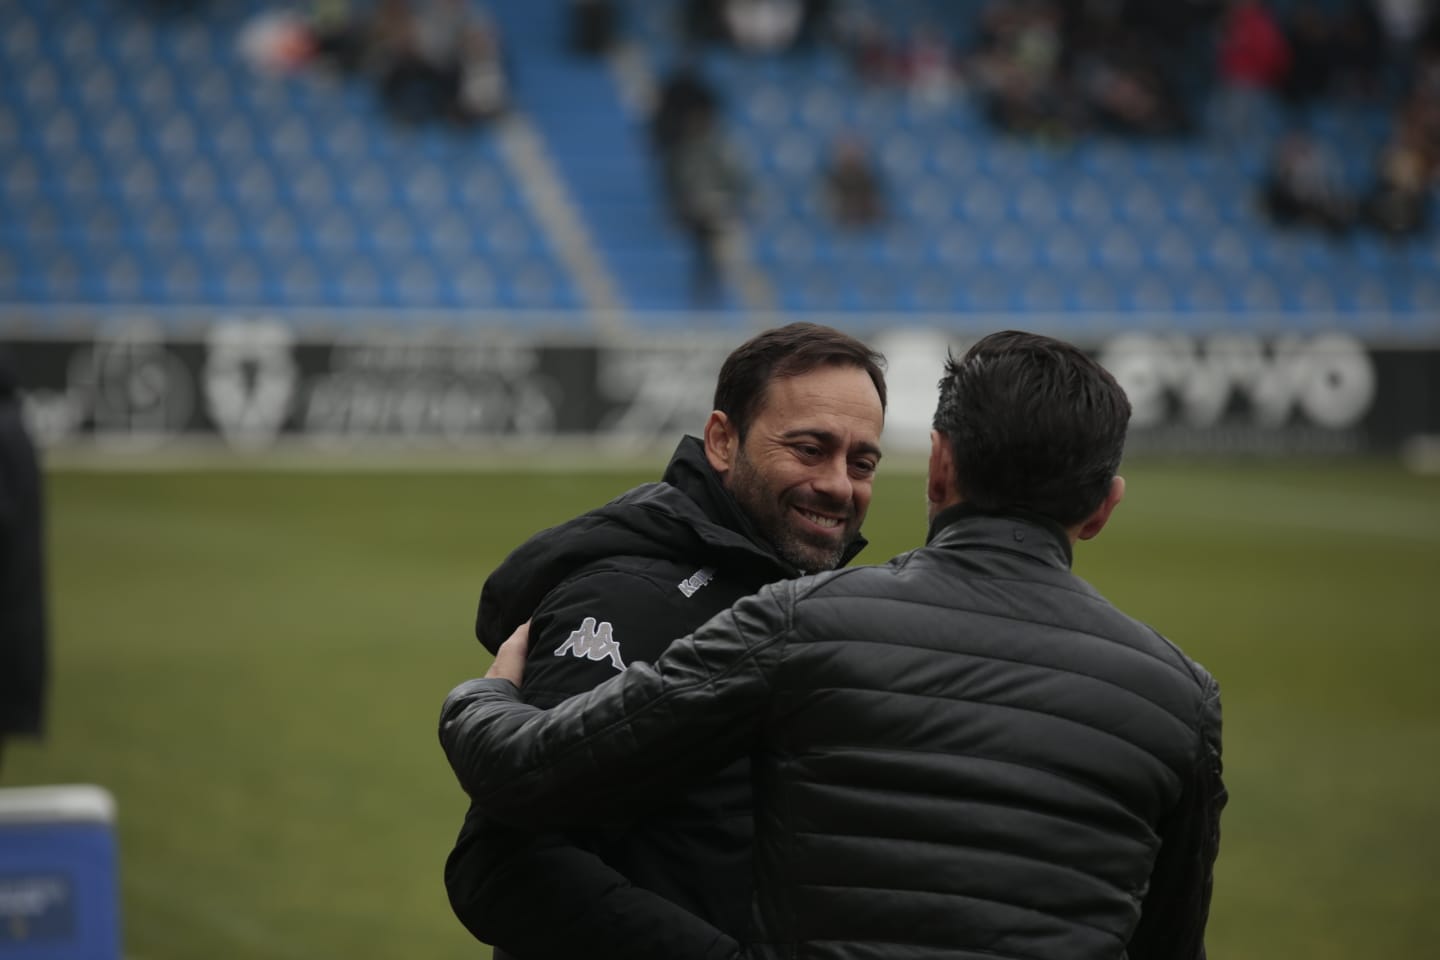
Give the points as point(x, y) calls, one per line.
point(964, 753)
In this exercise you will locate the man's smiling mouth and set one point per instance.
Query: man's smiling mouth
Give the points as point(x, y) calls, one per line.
point(820, 521)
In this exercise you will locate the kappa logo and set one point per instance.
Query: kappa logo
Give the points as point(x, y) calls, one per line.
point(696, 580)
point(594, 642)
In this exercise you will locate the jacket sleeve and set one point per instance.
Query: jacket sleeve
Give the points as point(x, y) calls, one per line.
point(657, 724)
point(544, 895)
point(1177, 905)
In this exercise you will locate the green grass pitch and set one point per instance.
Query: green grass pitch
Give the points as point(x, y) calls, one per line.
point(253, 663)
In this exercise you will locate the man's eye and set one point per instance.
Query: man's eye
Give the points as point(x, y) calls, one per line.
point(863, 467)
point(807, 449)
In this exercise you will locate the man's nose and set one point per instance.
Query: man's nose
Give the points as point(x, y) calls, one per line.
point(833, 481)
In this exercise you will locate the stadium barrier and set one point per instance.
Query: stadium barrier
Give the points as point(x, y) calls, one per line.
point(258, 384)
point(59, 897)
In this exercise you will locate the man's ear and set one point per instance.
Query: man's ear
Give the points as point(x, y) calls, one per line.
point(722, 442)
point(1092, 527)
point(940, 480)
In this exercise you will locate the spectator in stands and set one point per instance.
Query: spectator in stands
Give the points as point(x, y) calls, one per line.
point(1125, 91)
point(1017, 67)
point(23, 628)
point(276, 42)
point(1358, 49)
point(815, 22)
point(1334, 50)
point(593, 26)
point(929, 66)
point(1310, 33)
point(1253, 51)
point(1303, 187)
point(1403, 23)
point(704, 22)
point(1254, 60)
point(1421, 114)
point(756, 26)
point(852, 187)
point(704, 183)
point(339, 35)
point(707, 187)
point(866, 44)
point(763, 26)
point(483, 85)
point(1398, 205)
point(684, 95)
point(413, 89)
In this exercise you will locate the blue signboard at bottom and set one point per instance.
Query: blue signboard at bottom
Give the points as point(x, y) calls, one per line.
point(58, 891)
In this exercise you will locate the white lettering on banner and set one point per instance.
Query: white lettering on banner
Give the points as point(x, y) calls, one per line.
point(249, 380)
point(136, 389)
point(444, 406)
point(1329, 379)
point(430, 389)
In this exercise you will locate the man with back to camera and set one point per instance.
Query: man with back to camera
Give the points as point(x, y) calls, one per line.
point(966, 752)
point(777, 487)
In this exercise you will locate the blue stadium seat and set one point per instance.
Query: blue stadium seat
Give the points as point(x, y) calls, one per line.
point(1037, 206)
point(1066, 247)
point(929, 291)
point(1149, 290)
point(1172, 247)
point(1088, 291)
point(1011, 246)
point(172, 276)
point(1088, 204)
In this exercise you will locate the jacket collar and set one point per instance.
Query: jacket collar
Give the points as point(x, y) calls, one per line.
point(1017, 531)
point(690, 472)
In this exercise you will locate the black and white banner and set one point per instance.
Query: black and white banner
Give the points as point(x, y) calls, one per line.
point(252, 384)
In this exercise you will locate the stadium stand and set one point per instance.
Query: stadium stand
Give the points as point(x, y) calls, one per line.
point(143, 161)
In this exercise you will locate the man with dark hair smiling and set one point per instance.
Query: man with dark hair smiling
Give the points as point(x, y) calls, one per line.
point(966, 752)
point(777, 486)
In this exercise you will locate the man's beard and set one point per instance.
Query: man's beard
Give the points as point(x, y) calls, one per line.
point(772, 515)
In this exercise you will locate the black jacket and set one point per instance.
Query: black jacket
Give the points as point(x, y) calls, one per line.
point(22, 572)
point(609, 590)
point(966, 752)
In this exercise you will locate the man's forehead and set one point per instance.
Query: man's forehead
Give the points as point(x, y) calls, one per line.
point(830, 384)
point(843, 404)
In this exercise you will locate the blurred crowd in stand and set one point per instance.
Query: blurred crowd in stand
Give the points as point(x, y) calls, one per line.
point(1044, 67)
point(1238, 73)
point(430, 60)
point(1385, 54)
point(755, 26)
point(1059, 70)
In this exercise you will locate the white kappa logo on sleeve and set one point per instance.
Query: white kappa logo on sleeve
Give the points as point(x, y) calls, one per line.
point(594, 642)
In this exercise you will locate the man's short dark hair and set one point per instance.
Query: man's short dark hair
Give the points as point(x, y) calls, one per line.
point(1035, 425)
point(788, 351)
